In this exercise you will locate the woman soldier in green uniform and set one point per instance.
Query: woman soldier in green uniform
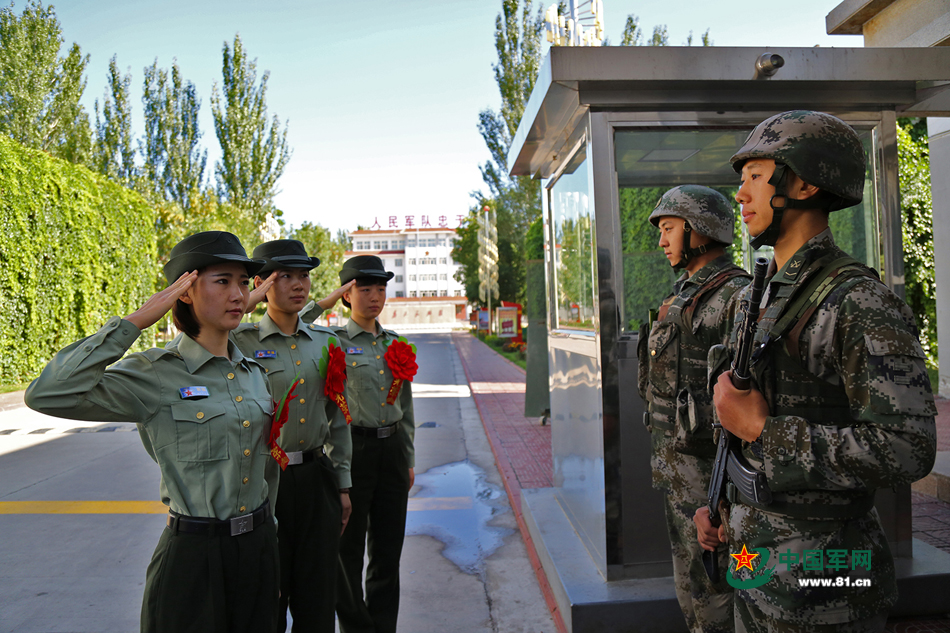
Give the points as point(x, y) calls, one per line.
point(383, 455)
point(204, 412)
point(313, 504)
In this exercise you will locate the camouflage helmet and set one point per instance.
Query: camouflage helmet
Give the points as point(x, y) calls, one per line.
point(822, 150)
point(708, 212)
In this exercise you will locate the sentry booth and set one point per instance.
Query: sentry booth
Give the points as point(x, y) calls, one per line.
point(607, 131)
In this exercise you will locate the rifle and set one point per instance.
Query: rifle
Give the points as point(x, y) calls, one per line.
point(729, 461)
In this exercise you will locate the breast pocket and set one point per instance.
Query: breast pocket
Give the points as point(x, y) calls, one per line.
point(664, 358)
point(358, 372)
point(201, 431)
point(262, 416)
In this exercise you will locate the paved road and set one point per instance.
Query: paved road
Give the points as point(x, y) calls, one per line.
point(81, 567)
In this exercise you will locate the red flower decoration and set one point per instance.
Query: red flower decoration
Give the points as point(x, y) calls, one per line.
point(401, 359)
point(335, 380)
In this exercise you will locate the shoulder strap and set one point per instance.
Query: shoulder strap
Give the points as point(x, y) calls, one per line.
point(715, 283)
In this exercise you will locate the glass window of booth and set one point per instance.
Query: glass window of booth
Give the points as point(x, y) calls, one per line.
point(572, 224)
point(651, 161)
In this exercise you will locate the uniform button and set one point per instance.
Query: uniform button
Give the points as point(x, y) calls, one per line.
point(125, 330)
point(302, 420)
point(382, 388)
point(246, 424)
point(312, 326)
point(266, 370)
point(200, 415)
point(302, 401)
point(246, 480)
point(242, 509)
point(230, 376)
point(293, 347)
point(301, 381)
point(380, 371)
point(238, 399)
point(301, 442)
point(298, 362)
point(247, 452)
point(652, 352)
point(354, 363)
point(382, 421)
point(781, 450)
point(382, 404)
point(377, 356)
point(374, 342)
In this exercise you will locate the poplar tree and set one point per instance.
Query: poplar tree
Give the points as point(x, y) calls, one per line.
point(254, 151)
point(113, 154)
point(39, 89)
point(174, 162)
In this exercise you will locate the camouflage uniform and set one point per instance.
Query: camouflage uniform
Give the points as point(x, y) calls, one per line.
point(697, 315)
point(851, 411)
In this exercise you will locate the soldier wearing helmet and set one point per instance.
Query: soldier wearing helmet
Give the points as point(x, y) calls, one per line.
point(841, 403)
point(696, 225)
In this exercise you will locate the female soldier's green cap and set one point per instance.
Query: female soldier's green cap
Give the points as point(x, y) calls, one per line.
point(204, 249)
point(279, 254)
point(364, 266)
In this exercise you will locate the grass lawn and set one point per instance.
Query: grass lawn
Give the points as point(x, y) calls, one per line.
point(497, 343)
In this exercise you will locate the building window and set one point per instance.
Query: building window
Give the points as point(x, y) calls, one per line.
point(458, 293)
point(412, 293)
point(443, 260)
point(381, 245)
point(410, 242)
point(412, 277)
point(443, 276)
point(412, 261)
point(399, 293)
point(398, 279)
point(398, 262)
point(444, 293)
point(398, 245)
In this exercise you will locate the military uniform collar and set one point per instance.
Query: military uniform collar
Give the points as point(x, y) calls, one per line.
point(803, 258)
point(195, 356)
point(703, 274)
point(266, 327)
point(353, 329)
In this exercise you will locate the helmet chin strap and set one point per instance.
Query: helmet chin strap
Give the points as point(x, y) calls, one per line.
point(779, 180)
point(688, 252)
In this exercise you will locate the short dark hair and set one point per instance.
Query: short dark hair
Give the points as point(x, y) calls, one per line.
point(184, 318)
point(362, 282)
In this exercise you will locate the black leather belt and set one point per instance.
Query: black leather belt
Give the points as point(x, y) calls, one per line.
point(215, 527)
point(302, 457)
point(378, 432)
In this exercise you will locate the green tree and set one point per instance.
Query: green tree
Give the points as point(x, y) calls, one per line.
point(174, 161)
point(633, 35)
point(325, 278)
point(917, 229)
point(517, 200)
point(465, 252)
point(253, 152)
point(39, 89)
point(113, 155)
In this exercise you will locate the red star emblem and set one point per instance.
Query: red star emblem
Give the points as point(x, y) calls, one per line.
point(744, 559)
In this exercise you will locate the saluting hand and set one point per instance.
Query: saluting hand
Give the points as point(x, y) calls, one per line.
point(161, 302)
point(257, 295)
point(330, 300)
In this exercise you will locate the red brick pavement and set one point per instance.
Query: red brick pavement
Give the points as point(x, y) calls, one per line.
point(522, 450)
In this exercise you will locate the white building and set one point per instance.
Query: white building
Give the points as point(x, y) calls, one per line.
point(424, 291)
point(420, 258)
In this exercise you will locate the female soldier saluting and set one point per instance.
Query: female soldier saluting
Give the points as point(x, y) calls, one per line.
point(205, 413)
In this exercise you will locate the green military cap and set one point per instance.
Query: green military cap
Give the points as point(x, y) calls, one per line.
point(284, 254)
point(364, 266)
point(203, 249)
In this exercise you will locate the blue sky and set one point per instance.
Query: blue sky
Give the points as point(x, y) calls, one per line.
point(382, 98)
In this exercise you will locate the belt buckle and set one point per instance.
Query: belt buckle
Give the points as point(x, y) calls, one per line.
point(294, 458)
point(385, 431)
point(242, 524)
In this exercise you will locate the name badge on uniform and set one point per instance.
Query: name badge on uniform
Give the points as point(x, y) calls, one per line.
point(265, 353)
point(188, 393)
point(354, 350)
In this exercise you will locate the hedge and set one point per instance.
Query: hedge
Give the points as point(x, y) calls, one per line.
point(75, 249)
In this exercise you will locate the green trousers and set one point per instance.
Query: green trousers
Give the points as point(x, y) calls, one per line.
point(377, 526)
point(213, 584)
point(750, 619)
point(309, 515)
